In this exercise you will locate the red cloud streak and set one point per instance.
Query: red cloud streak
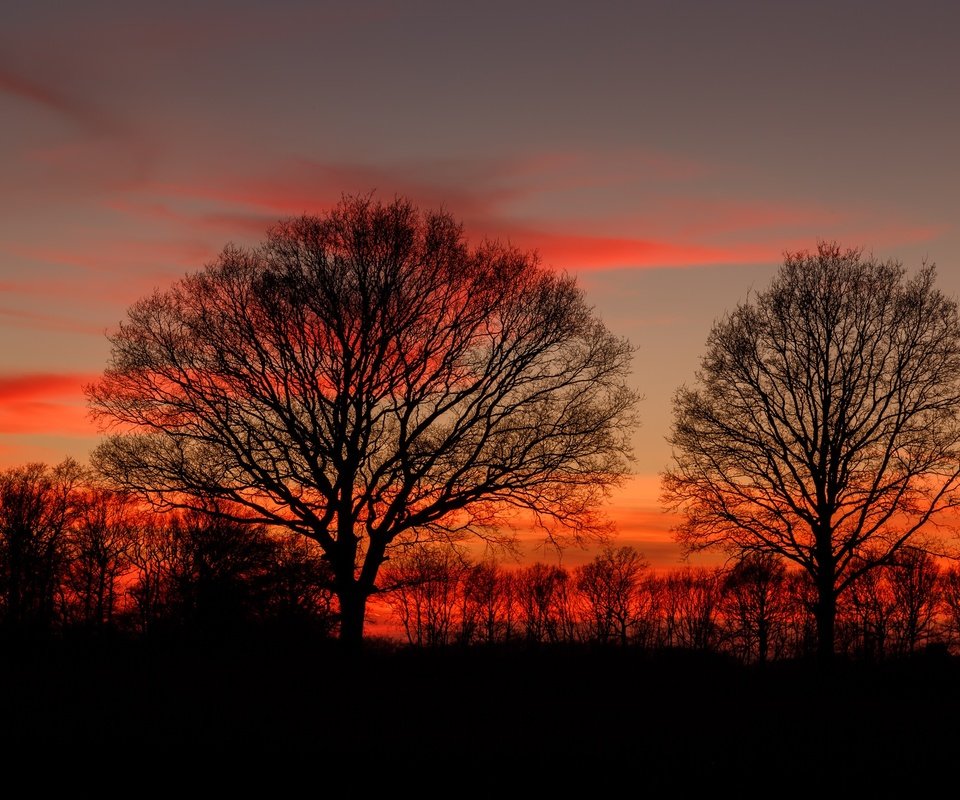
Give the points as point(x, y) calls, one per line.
point(47, 403)
point(705, 233)
point(53, 100)
point(580, 251)
point(34, 386)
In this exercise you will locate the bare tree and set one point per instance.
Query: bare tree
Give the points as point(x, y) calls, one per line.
point(192, 571)
point(950, 603)
point(98, 547)
point(150, 556)
point(915, 583)
point(801, 603)
point(664, 614)
point(219, 572)
point(696, 603)
point(866, 616)
point(611, 586)
point(487, 604)
point(301, 585)
point(542, 593)
point(684, 608)
point(756, 605)
point(37, 507)
point(648, 623)
point(424, 587)
point(824, 424)
point(365, 378)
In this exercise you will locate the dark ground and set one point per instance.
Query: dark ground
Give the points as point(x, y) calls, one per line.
point(118, 719)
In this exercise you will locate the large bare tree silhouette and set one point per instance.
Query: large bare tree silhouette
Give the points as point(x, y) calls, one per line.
point(823, 427)
point(366, 378)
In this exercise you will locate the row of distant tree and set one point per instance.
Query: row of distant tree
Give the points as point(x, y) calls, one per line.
point(757, 610)
point(76, 556)
point(80, 557)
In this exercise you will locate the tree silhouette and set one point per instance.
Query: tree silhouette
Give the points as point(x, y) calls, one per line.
point(866, 614)
point(694, 604)
point(823, 427)
point(150, 556)
point(201, 573)
point(300, 590)
point(218, 571)
point(950, 603)
point(611, 586)
point(423, 587)
point(366, 378)
point(98, 547)
point(487, 604)
point(37, 507)
point(756, 604)
point(914, 582)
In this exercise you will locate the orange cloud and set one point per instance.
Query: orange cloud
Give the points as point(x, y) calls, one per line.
point(104, 280)
point(785, 225)
point(44, 403)
point(45, 384)
point(97, 152)
point(475, 192)
point(585, 251)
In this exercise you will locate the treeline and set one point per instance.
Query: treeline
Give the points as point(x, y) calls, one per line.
point(77, 557)
point(757, 610)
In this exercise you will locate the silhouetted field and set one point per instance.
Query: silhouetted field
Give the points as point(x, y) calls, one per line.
point(469, 722)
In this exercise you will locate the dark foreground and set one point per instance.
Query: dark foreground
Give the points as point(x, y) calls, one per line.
point(125, 719)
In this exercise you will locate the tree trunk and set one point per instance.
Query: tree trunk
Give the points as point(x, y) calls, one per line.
point(826, 614)
point(825, 610)
point(353, 607)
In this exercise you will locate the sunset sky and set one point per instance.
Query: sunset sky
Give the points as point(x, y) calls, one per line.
point(665, 153)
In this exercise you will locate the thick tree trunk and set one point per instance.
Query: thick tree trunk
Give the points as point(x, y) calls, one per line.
point(353, 593)
point(826, 615)
point(353, 608)
point(825, 610)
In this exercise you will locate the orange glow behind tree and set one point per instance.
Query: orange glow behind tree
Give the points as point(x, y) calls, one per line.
point(368, 380)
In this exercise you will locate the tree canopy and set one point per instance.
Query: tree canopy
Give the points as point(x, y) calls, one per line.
point(368, 378)
point(823, 426)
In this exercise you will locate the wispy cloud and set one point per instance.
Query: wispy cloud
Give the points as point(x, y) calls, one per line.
point(510, 199)
point(19, 318)
point(220, 222)
point(80, 112)
point(61, 287)
point(89, 150)
point(119, 255)
point(473, 188)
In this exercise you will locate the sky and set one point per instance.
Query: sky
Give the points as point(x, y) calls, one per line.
point(667, 154)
